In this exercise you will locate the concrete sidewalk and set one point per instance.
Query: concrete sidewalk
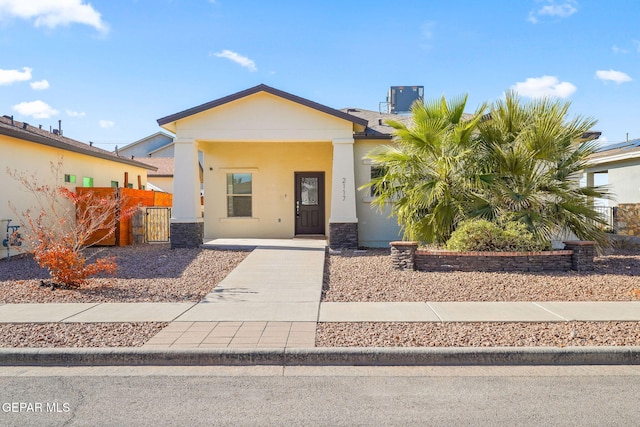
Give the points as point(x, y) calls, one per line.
point(259, 312)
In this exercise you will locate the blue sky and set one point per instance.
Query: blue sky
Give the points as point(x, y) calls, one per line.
point(110, 68)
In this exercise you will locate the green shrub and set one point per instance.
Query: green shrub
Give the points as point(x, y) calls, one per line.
point(481, 235)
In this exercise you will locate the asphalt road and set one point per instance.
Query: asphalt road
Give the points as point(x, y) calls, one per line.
point(321, 396)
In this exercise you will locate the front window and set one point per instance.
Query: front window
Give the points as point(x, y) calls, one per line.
point(87, 181)
point(376, 172)
point(239, 193)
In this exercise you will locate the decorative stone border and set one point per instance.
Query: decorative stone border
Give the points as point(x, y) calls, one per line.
point(578, 256)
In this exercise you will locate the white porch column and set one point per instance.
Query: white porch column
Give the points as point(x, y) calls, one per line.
point(187, 226)
point(343, 222)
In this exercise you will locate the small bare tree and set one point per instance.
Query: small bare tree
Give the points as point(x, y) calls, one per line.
point(64, 223)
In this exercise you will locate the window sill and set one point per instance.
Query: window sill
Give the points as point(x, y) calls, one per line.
point(239, 219)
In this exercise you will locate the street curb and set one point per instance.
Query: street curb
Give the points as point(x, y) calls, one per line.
point(326, 356)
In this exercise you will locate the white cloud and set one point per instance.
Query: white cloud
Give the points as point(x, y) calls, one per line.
point(106, 124)
point(52, 13)
point(36, 109)
point(553, 8)
point(617, 49)
point(237, 58)
point(71, 113)
point(613, 76)
point(40, 85)
point(8, 77)
point(538, 87)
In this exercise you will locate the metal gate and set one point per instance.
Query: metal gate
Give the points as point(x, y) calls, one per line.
point(157, 224)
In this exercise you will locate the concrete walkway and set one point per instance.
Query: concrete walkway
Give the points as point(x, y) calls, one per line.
point(272, 300)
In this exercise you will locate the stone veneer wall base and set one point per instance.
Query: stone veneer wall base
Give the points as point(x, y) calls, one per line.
point(343, 235)
point(187, 234)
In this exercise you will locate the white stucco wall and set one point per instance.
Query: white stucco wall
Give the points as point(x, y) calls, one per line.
point(624, 182)
point(31, 157)
point(622, 179)
point(375, 228)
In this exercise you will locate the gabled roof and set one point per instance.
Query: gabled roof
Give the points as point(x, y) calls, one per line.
point(26, 132)
point(266, 89)
point(152, 152)
point(146, 138)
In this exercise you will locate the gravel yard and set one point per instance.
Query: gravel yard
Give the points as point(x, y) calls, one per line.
point(77, 334)
point(487, 334)
point(361, 276)
point(367, 276)
point(146, 273)
point(156, 273)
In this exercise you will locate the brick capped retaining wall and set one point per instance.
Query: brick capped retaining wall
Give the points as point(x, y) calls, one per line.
point(578, 256)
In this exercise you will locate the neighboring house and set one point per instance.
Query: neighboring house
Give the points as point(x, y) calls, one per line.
point(620, 166)
point(161, 179)
point(31, 150)
point(157, 145)
point(277, 166)
point(156, 150)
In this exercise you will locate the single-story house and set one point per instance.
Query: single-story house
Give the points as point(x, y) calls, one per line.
point(621, 165)
point(277, 166)
point(31, 149)
point(162, 178)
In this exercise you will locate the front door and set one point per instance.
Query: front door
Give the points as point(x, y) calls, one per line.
point(309, 202)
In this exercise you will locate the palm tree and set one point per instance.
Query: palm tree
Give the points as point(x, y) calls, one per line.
point(531, 156)
point(521, 162)
point(425, 174)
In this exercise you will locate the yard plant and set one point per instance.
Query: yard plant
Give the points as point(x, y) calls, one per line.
point(511, 161)
point(63, 223)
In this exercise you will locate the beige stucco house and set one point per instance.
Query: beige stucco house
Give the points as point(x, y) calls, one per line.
point(276, 165)
point(31, 149)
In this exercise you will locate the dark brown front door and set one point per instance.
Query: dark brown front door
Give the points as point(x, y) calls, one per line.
point(309, 202)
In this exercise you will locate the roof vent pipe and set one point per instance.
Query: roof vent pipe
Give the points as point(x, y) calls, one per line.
point(12, 120)
point(60, 127)
point(24, 125)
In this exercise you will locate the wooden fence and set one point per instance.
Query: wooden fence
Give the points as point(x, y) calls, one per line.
point(129, 198)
